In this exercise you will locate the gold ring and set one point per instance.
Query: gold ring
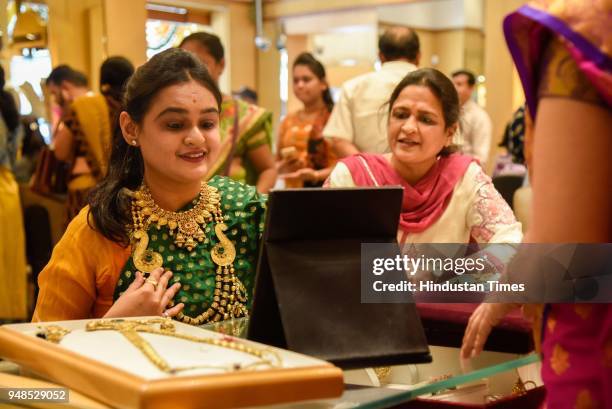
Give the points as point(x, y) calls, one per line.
point(531, 383)
point(152, 281)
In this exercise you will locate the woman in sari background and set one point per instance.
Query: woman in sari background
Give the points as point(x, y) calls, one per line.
point(304, 157)
point(83, 135)
point(563, 53)
point(246, 129)
point(13, 298)
point(447, 196)
point(157, 239)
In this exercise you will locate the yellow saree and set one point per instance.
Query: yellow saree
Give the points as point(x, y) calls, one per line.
point(254, 130)
point(13, 294)
point(89, 123)
point(94, 131)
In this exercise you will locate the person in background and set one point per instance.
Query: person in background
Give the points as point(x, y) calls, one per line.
point(304, 157)
point(447, 196)
point(511, 160)
point(246, 129)
point(114, 74)
point(29, 149)
point(158, 238)
point(358, 121)
point(13, 298)
point(560, 51)
point(514, 136)
point(246, 94)
point(474, 125)
point(83, 135)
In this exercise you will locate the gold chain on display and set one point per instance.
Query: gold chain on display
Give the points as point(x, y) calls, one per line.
point(229, 297)
point(130, 329)
point(520, 387)
point(236, 327)
point(382, 373)
point(53, 333)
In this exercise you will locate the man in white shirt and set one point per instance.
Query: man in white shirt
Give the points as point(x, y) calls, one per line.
point(474, 124)
point(358, 122)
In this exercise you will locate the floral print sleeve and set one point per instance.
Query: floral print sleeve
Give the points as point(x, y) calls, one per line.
point(490, 219)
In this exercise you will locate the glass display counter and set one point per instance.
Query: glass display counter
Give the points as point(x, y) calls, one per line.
point(496, 385)
point(505, 380)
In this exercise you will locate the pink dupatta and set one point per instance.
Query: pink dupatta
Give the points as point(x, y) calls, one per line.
point(423, 203)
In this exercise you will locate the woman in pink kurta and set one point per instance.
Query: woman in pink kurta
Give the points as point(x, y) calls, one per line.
point(447, 196)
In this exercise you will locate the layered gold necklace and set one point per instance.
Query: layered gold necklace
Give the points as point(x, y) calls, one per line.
point(187, 228)
point(131, 330)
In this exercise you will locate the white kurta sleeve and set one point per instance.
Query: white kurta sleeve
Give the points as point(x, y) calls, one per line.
point(490, 219)
point(340, 177)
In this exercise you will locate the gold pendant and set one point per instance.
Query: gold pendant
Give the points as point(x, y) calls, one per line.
point(224, 252)
point(145, 260)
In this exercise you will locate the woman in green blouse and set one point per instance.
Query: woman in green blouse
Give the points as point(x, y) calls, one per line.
point(155, 239)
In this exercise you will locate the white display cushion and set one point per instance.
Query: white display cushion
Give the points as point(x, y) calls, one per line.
point(105, 365)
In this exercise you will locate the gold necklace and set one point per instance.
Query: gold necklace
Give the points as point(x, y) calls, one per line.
point(229, 297)
point(130, 330)
point(186, 227)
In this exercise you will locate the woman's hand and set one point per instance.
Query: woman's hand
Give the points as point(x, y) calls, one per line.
point(148, 296)
point(482, 321)
point(305, 175)
point(289, 166)
point(309, 175)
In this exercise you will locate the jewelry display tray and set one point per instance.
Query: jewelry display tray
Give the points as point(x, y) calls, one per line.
point(105, 366)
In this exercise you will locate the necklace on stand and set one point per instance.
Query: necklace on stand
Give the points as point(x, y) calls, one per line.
point(187, 228)
point(130, 329)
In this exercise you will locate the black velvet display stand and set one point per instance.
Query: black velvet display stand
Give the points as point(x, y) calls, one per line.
point(308, 286)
